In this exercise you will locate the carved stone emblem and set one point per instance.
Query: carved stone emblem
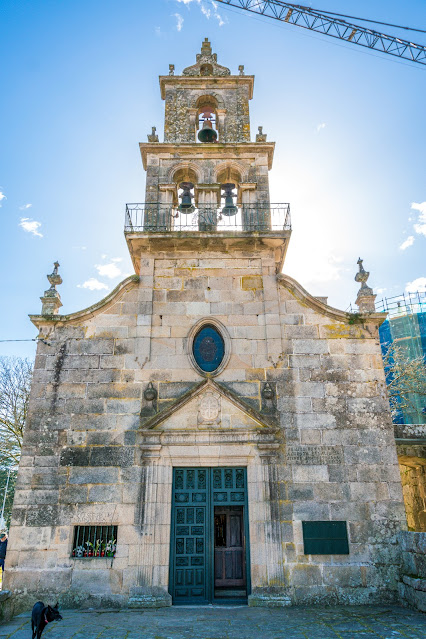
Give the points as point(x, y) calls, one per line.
point(209, 409)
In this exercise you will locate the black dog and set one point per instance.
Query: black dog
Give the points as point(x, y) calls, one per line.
point(41, 616)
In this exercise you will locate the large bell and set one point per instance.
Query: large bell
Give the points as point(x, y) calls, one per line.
point(207, 133)
point(186, 205)
point(229, 208)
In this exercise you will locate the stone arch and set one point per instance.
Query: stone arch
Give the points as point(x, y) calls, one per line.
point(238, 172)
point(199, 98)
point(177, 173)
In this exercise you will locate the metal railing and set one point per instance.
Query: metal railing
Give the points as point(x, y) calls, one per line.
point(399, 305)
point(158, 217)
point(404, 304)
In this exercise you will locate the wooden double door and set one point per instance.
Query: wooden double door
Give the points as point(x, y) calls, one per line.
point(209, 535)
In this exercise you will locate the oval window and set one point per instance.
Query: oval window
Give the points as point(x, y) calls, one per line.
point(208, 348)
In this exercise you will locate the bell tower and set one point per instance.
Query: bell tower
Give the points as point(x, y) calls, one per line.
point(207, 181)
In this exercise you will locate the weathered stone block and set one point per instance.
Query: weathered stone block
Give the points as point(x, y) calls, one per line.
point(122, 456)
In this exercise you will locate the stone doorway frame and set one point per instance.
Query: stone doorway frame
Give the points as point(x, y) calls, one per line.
point(186, 450)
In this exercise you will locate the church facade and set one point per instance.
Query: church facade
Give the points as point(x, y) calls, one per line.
point(209, 431)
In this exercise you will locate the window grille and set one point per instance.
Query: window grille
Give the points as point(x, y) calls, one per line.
point(325, 538)
point(94, 541)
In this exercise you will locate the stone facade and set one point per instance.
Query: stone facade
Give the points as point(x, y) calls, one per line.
point(298, 401)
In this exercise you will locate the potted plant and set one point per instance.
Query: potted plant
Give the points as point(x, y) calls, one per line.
point(89, 549)
point(78, 551)
point(110, 547)
point(96, 550)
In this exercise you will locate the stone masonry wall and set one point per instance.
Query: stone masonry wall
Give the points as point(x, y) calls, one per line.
point(334, 456)
point(412, 585)
point(179, 101)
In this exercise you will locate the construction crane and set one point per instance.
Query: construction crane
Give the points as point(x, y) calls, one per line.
point(333, 24)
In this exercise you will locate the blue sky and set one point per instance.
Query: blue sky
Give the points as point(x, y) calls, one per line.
point(79, 91)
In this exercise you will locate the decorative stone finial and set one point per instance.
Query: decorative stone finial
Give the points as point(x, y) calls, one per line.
point(171, 69)
point(241, 69)
point(206, 47)
point(52, 300)
point(206, 63)
point(153, 137)
point(365, 298)
point(260, 137)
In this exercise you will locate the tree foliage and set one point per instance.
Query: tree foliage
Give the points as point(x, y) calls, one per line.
point(15, 383)
point(405, 380)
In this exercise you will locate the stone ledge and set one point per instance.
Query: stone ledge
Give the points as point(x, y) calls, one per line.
point(269, 601)
point(415, 582)
point(140, 598)
point(412, 598)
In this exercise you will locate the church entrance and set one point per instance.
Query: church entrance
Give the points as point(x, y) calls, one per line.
point(209, 536)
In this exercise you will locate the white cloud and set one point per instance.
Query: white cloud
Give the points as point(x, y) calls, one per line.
point(24, 207)
point(93, 285)
point(179, 21)
point(30, 226)
point(2, 197)
point(116, 259)
point(320, 126)
point(420, 226)
point(408, 242)
point(418, 284)
point(110, 270)
point(380, 290)
point(206, 10)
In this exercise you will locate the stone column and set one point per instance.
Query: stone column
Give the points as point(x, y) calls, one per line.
point(168, 198)
point(193, 125)
point(207, 200)
point(152, 557)
point(220, 124)
point(247, 198)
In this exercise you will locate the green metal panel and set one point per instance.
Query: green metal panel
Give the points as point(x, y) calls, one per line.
point(196, 491)
point(325, 538)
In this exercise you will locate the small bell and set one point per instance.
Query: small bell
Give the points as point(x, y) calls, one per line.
point(186, 205)
point(229, 208)
point(207, 133)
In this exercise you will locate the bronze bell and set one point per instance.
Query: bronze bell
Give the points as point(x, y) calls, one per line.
point(229, 208)
point(207, 133)
point(186, 205)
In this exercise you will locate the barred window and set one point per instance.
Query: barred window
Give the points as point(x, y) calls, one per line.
point(94, 541)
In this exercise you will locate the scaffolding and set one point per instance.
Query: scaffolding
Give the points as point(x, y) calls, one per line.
point(405, 327)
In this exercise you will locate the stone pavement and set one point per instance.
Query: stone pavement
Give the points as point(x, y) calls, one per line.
point(219, 622)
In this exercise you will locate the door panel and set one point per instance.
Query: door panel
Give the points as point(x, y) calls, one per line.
point(188, 574)
point(229, 552)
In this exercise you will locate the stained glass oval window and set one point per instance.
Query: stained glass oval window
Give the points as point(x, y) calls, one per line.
point(208, 348)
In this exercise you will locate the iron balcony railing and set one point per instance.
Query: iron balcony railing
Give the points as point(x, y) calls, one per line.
point(158, 217)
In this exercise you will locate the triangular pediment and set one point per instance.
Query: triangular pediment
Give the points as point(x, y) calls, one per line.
point(209, 405)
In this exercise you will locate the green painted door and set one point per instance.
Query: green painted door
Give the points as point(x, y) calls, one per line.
point(201, 498)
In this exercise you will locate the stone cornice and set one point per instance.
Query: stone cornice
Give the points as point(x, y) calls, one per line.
point(215, 150)
point(91, 311)
point(263, 421)
point(334, 313)
point(208, 82)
